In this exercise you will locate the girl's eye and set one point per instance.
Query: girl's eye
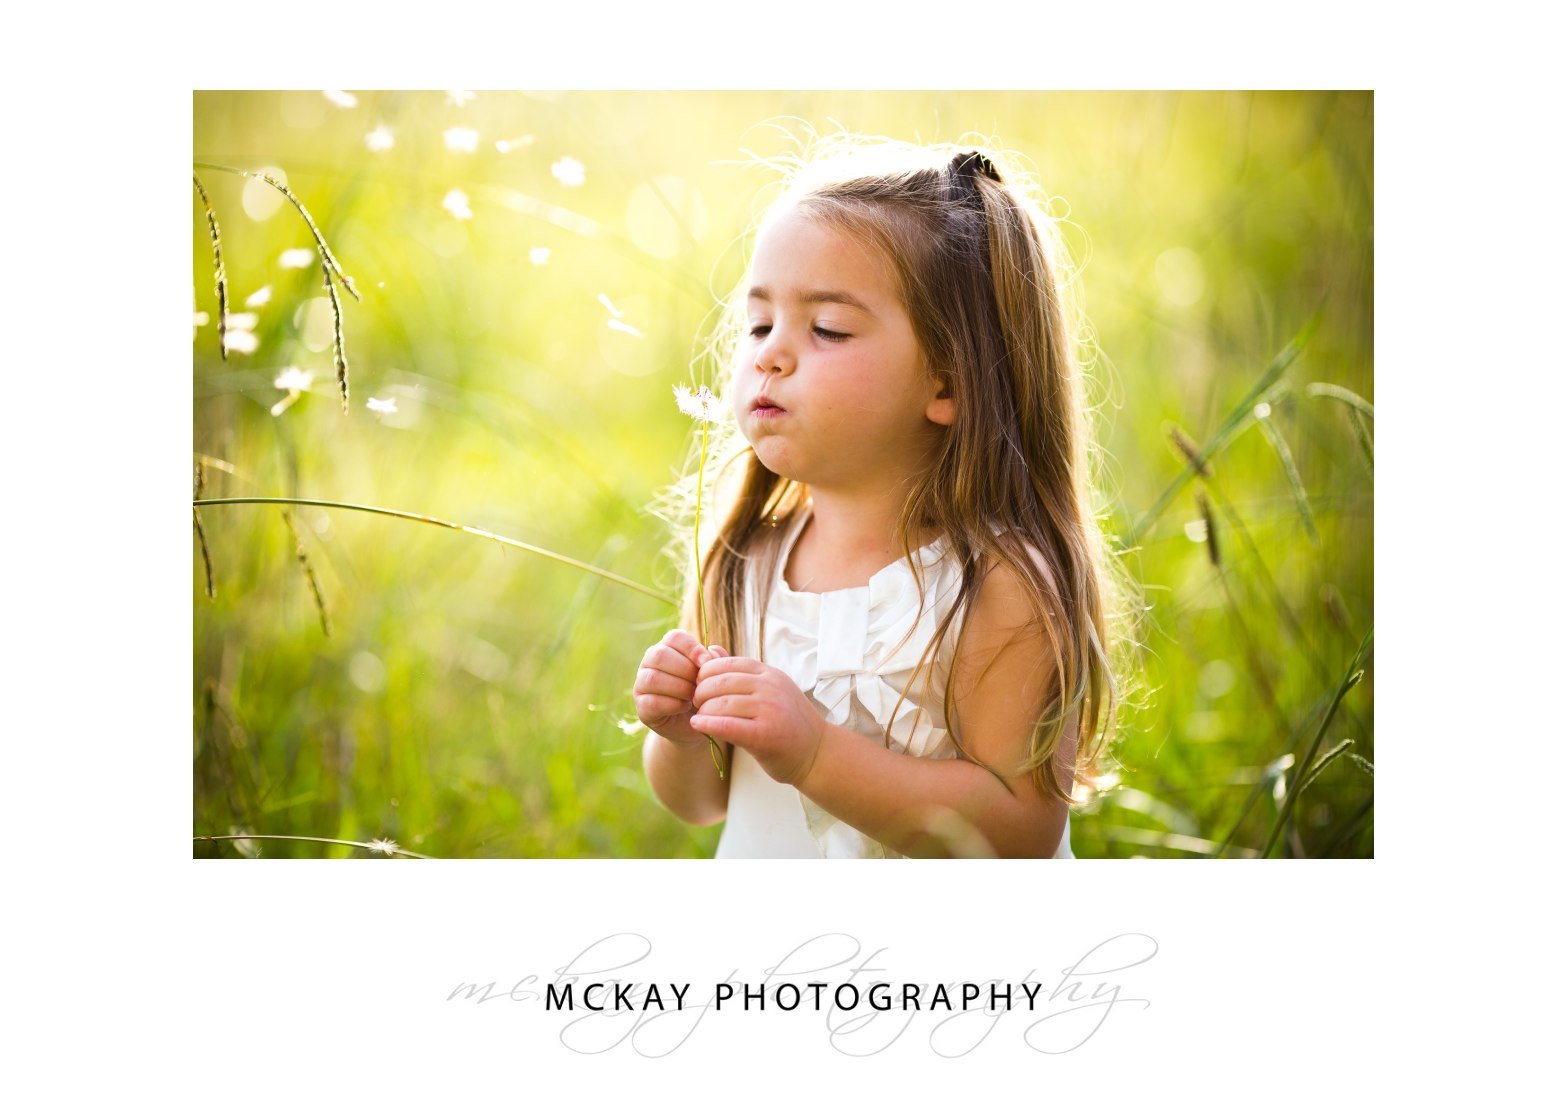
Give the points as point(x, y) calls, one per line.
point(761, 330)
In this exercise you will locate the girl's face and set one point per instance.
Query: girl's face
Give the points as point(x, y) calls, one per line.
point(830, 387)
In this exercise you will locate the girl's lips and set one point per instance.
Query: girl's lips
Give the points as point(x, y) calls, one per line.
point(767, 411)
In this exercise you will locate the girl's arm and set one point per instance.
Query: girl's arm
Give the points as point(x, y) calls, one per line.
point(685, 779)
point(1001, 681)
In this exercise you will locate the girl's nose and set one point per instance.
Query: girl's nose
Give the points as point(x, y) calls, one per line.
point(772, 356)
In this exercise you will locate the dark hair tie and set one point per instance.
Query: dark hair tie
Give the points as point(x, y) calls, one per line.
point(968, 164)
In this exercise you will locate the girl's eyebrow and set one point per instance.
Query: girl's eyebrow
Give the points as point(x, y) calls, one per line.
point(841, 297)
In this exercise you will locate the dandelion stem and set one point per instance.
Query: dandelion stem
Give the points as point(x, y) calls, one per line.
point(701, 586)
point(422, 519)
point(397, 852)
point(696, 541)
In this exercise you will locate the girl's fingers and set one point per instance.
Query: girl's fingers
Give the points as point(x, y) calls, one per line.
point(666, 659)
point(651, 681)
point(655, 707)
point(736, 706)
point(686, 645)
point(733, 683)
point(736, 731)
point(719, 665)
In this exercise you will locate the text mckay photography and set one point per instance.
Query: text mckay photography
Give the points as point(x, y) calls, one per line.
point(610, 997)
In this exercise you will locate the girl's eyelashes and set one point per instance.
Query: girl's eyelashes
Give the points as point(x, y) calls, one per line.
point(761, 330)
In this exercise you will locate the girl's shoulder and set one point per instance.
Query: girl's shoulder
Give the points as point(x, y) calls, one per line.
point(1011, 597)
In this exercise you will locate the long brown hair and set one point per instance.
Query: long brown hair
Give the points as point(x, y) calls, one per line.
point(981, 272)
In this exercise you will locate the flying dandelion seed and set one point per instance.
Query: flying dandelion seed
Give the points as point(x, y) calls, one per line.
point(460, 97)
point(456, 204)
point(1197, 531)
point(624, 327)
point(387, 406)
point(202, 319)
point(538, 256)
point(1262, 410)
point(238, 332)
point(379, 138)
point(505, 146)
point(629, 726)
point(610, 307)
point(297, 258)
point(384, 846)
point(259, 297)
point(461, 139)
point(341, 98)
point(293, 379)
point(568, 171)
point(700, 404)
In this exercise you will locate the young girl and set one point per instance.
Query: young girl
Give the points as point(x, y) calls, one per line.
point(908, 570)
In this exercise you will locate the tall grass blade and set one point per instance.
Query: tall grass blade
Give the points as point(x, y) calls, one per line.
point(310, 222)
point(1281, 448)
point(310, 574)
point(1238, 419)
point(220, 281)
point(391, 850)
point(479, 532)
point(1352, 676)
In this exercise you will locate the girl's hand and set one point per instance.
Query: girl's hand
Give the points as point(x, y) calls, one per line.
point(665, 685)
point(760, 709)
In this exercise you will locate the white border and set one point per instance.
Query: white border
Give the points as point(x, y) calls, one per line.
point(315, 987)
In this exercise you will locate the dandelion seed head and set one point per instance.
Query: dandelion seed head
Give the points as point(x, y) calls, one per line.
point(340, 97)
point(379, 138)
point(461, 139)
point(293, 379)
point(699, 404)
point(387, 406)
point(456, 204)
point(297, 258)
point(538, 256)
point(568, 171)
point(259, 297)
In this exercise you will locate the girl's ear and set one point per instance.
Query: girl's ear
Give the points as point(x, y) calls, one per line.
point(940, 408)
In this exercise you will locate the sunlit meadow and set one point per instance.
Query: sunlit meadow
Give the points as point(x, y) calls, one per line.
point(535, 271)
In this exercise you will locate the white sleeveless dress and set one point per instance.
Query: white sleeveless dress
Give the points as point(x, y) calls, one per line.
point(846, 650)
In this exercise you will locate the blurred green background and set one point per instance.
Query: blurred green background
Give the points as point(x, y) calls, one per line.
point(538, 269)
